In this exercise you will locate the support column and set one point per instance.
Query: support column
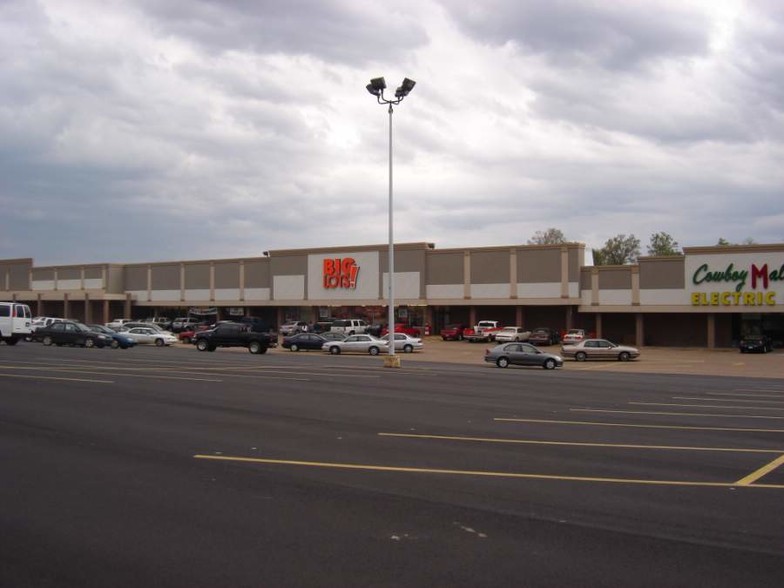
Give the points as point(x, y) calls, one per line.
point(569, 317)
point(599, 325)
point(472, 316)
point(106, 318)
point(66, 306)
point(88, 311)
point(127, 307)
point(640, 330)
point(519, 316)
point(711, 331)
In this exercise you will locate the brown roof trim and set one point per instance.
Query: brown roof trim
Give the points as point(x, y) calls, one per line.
point(423, 246)
point(716, 249)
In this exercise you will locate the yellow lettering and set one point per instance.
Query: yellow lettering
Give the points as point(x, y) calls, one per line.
point(770, 298)
point(714, 299)
point(736, 296)
point(726, 298)
point(695, 298)
point(748, 298)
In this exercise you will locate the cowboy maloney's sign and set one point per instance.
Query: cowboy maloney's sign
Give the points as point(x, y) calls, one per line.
point(340, 273)
point(760, 276)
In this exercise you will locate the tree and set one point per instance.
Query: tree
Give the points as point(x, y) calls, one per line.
point(551, 236)
point(618, 250)
point(663, 244)
point(747, 241)
point(723, 242)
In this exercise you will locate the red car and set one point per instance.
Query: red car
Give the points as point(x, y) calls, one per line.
point(453, 332)
point(403, 328)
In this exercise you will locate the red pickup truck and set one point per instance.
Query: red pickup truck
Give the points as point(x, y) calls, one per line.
point(483, 331)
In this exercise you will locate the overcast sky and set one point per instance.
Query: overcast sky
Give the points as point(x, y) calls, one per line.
point(149, 130)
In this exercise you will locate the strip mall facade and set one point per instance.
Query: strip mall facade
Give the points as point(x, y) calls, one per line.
point(708, 297)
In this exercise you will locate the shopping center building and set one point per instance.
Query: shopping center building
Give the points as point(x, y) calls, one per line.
point(707, 297)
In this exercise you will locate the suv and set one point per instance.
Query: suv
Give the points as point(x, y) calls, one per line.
point(349, 326)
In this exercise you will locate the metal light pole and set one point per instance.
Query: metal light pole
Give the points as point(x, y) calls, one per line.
point(377, 87)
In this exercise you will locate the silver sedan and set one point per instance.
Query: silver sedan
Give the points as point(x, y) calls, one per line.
point(356, 344)
point(522, 354)
point(599, 349)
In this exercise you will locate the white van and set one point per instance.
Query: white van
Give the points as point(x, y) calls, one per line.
point(15, 322)
point(349, 326)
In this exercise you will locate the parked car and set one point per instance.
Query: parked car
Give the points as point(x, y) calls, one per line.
point(135, 324)
point(182, 323)
point(187, 335)
point(453, 332)
point(163, 322)
point(544, 336)
point(522, 354)
point(406, 343)
point(573, 336)
point(321, 326)
point(756, 344)
point(231, 334)
point(39, 322)
point(333, 336)
point(508, 334)
point(356, 343)
point(16, 322)
point(119, 340)
point(150, 336)
point(305, 341)
point(293, 327)
point(403, 328)
point(349, 326)
point(118, 323)
point(599, 349)
point(71, 333)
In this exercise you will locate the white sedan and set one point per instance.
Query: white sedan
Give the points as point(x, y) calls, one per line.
point(407, 343)
point(356, 344)
point(150, 336)
point(508, 334)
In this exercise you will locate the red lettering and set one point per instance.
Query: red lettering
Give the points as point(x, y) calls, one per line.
point(759, 273)
point(329, 267)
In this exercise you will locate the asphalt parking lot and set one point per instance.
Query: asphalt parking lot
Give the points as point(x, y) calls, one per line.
point(174, 467)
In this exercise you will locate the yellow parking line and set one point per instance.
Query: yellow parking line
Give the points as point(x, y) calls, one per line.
point(705, 406)
point(487, 474)
point(736, 395)
point(754, 476)
point(578, 444)
point(631, 426)
point(697, 414)
point(54, 378)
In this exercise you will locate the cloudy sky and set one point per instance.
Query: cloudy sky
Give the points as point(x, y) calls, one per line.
point(147, 130)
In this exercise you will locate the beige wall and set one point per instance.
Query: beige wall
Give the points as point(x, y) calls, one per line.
point(135, 277)
point(490, 267)
point(536, 266)
point(165, 277)
point(197, 276)
point(615, 278)
point(662, 273)
point(227, 275)
point(257, 274)
point(445, 268)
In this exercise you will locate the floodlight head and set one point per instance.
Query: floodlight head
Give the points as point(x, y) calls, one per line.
point(376, 86)
point(405, 88)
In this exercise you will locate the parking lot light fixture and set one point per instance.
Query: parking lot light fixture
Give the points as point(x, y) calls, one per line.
point(376, 87)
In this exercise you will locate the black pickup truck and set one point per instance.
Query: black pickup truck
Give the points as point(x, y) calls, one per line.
point(232, 335)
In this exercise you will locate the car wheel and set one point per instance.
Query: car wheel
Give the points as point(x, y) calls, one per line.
point(202, 345)
point(11, 341)
point(159, 342)
point(580, 356)
point(334, 350)
point(114, 344)
point(502, 362)
point(373, 351)
point(47, 341)
point(89, 343)
point(254, 347)
point(623, 356)
point(294, 347)
point(459, 337)
point(408, 348)
point(549, 364)
point(444, 338)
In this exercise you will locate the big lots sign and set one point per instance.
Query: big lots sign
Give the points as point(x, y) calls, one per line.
point(340, 273)
point(746, 279)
